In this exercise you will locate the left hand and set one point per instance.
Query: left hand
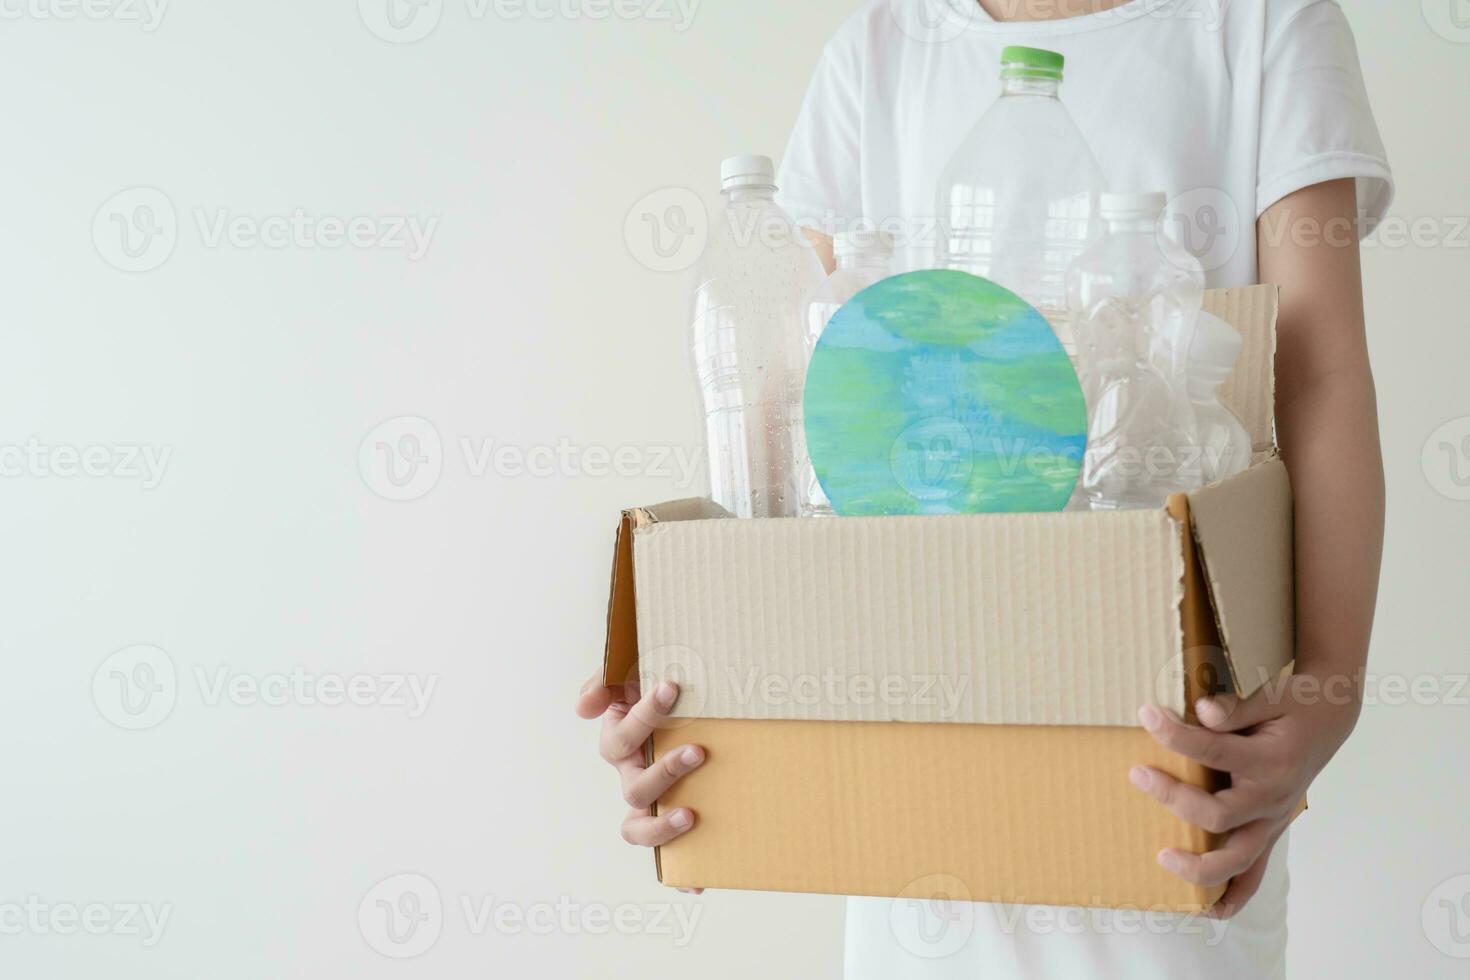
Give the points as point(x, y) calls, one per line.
point(1272, 744)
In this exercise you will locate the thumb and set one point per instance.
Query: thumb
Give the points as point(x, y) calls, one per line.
point(1228, 713)
point(594, 698)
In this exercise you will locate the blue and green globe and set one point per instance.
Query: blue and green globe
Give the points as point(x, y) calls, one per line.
point(938, 392)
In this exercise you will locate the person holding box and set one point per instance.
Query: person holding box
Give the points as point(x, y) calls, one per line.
point(1255, 118)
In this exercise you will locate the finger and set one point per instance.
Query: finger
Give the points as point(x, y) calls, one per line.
point(594, 697)
point(1243, 886)
point(1219, 866)
point(1225, 752)
point(643, 786)
point(648, 831)
point(1228, 713)
point(627, 735)
point(692, 891)
point(1216, 812)
point(1242, 889)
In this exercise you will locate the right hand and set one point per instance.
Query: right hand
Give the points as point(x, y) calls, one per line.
point(627, 722)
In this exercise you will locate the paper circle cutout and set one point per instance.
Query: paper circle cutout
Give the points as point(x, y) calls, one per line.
point(939, 392)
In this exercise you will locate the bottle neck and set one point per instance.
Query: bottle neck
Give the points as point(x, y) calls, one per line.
point(1048, 87)
point(757, 192)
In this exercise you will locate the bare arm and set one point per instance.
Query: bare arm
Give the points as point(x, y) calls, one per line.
point(1327, 424)
point(823, 246)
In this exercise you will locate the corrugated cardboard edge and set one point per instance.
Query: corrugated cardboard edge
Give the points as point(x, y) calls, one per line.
point(1250, 390)
point(620, 650)
point(1243, 529)
point(1204, 672)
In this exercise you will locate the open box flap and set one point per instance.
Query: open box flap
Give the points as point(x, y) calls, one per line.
point(687, 509)
point(1244, 531)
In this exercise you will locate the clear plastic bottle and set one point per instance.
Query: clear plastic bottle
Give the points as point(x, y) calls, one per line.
point(1225, 445)
point(749, 345)
point(1135, 297)
point(864, 256)
point(1017, 202)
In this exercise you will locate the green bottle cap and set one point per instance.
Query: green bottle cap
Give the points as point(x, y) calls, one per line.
point(1018, 62)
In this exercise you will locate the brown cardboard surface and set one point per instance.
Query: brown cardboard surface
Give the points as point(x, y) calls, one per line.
point(1244, 530)
point(620, 653)
point(1041, 619)
point(1025, 813)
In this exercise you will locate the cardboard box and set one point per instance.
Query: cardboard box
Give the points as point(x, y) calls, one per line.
point(925, 706)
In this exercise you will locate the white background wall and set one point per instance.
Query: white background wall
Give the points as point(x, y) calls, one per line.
point(529, 321)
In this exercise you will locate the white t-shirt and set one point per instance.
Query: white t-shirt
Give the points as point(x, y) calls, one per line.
point(1228, 106)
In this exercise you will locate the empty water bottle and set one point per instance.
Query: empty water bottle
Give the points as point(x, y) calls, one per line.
point(863, 257)
point(750, 347)
point(1135, 297)
point(1017, 202)
point(1225, 446)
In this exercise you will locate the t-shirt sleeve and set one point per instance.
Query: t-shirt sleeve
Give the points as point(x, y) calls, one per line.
point(820, 177)
point(1316, 123)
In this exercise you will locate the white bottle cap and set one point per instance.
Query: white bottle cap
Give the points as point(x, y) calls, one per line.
point(747, 171)
point(862, 239)
point(1215, 346)
point(1122, 206)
